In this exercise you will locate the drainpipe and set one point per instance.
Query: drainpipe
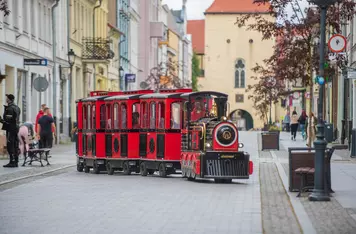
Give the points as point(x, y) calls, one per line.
point(100, 1)
point(54, 48)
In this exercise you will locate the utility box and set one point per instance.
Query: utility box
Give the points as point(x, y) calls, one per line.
point(329, 132)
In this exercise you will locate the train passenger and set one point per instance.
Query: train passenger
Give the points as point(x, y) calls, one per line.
point(135, 120)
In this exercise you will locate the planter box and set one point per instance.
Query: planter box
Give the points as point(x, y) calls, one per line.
point(299, 159)
point(270, 140)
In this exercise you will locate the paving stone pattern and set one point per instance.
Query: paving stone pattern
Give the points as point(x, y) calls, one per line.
point(277, 213)
point(329, 217)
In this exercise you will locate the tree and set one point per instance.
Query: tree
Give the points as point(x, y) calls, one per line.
point(164, 76)
point(195, 72)
point(292, 59)
point(4, 7)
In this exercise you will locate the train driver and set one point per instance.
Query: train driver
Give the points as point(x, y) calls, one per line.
point(135, 120)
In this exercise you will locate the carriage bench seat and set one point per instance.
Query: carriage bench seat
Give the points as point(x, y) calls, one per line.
point(36, 155)
point(304, 172)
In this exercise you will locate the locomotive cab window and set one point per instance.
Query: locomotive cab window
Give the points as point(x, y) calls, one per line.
point(102, 117)
point(160, 115)
point(123, 116)
point(136, 116)
point(116, 116)
point(152, 115)
point(176, 115)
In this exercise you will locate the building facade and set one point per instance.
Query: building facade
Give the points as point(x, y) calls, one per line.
point(124, 26)
point(35, 29)
point(230, 53)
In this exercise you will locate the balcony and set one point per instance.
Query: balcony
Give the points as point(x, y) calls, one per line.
point(97, 49)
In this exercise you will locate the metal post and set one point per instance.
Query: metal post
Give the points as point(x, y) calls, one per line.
point(353, 137)
point(270, 110)
point(319, 192)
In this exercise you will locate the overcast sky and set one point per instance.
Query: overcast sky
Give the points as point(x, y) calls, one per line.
point(196, 8)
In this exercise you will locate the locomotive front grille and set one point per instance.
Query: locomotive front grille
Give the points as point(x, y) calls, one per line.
point(226, 168)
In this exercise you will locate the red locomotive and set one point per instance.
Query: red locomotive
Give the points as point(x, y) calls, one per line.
point(168, 131)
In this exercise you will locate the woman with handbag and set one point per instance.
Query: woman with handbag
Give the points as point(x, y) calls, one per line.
point(311, 131)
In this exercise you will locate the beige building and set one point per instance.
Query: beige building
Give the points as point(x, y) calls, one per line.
point(230, 52)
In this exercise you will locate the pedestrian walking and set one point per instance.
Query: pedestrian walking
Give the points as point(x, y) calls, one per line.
point(39, 115)
point(45, 128)
point(286, 121)
point(294, 125)
point(302, 119)
point(311, 131)
point(10, 123)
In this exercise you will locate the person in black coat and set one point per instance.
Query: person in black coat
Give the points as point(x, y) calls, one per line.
point(10, 123)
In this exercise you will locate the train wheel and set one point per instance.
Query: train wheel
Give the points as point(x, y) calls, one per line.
point(80, 167)
point(126, 168)
point(162, 170)
point(86, 169)
point(96, 168)
point(143, 169)
point(109, 168)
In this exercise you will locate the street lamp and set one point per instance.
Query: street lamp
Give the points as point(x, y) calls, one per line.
point(71, 61)
point(71, 57)
point(319, 192)
point(121, 75)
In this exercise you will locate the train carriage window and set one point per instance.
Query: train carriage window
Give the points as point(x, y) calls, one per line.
point(136, 116)
point(123, 116)
point(185, 115)
point(152, 115)
point(116, 116)
point(93, 117)
point(102, 117)
point(85, 117)
point(109, 116)
point(176, 115)
point(161, 113)
point(144, 115)
point(88, 118)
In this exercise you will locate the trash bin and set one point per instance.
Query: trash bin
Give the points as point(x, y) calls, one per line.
point(329, 132)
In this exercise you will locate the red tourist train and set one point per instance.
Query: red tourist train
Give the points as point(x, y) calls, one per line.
point(169, 131)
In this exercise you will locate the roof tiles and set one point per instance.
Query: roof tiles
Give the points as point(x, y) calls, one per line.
point(197, 29)
point(237, 6)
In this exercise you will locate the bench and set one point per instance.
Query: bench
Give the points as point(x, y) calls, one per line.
point(36, 155)
point(304, 172)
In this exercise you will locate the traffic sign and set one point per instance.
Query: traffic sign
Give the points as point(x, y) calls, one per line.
point(35, 62)
point(337, 43)
point(40, 84)
point(296, 95)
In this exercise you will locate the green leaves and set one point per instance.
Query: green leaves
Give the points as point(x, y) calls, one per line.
point(195, 72)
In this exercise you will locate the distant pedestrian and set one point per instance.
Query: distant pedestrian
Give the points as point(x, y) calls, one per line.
point(294, 125)
point(24, 135)
point(45, 127)
point(311, 128)
point(39, 115)
point(286, 121)
point(302, 119)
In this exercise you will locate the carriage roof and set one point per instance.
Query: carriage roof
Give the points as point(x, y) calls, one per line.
point(161, 95)
point(91, 99)
point(123, 97)
point(203, 93)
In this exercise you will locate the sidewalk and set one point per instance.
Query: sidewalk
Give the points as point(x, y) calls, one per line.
point(61, 156)
point(338, 215)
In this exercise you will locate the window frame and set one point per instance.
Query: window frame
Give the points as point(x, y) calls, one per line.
point(144, 111)
point(161, 125)
point(103, 116)
point(152, 115)
point(240, 74)
point(172, 115)
point(121, 116)
point(116, 121)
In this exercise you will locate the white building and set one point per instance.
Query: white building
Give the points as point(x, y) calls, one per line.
point(27, 33)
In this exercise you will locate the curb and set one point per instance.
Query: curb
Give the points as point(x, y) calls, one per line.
point(301, 214)
point(34, 175)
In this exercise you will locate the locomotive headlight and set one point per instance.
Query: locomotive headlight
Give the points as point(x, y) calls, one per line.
point(223, 118)
point(241, 145)
point(207, 145)
point(225, 134)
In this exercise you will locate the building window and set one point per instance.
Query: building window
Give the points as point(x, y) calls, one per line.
point(239, 98)
point(15, 12)
point(24, 16)
point(40, 21)
point(33, 15)
point(240, 73)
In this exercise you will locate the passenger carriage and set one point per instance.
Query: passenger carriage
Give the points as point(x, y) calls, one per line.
point(142, 131)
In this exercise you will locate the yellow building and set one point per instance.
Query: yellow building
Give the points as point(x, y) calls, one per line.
point(89, 40)
point(230, 54)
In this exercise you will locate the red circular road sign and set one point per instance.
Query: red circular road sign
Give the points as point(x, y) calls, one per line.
point(337, 43)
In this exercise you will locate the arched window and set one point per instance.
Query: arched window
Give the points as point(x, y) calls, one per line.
point(240, 73)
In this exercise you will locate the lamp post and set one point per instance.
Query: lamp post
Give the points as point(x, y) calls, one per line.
point(71, 61)
point(121, 75)
point(319, 192)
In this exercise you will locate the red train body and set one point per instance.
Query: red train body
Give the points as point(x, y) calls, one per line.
point(169, 131)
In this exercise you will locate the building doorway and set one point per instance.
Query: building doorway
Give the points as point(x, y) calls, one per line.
point(242, 119)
